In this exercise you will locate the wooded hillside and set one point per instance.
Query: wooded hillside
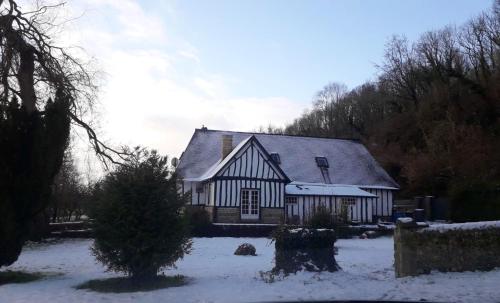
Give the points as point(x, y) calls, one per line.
point(432, 117)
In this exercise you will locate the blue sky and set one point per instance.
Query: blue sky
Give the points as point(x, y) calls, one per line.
point(172, 66)
point(293, 48)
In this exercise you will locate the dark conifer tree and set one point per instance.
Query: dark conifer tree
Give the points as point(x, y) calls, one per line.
point(138, 222)
point(43, 88)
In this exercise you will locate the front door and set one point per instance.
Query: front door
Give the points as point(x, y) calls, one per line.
point(249, 204)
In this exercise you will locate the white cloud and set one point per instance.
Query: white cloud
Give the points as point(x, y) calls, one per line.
point(152, 95)
point(191, 54)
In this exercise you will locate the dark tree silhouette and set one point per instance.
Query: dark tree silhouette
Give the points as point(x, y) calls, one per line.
point(43, 89)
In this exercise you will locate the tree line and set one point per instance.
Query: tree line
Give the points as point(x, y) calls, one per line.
point(432, 116)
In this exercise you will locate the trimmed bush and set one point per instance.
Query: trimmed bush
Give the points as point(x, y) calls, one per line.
point(138, 225)
point(321, 218)
point(245, 249)
point(304, 249)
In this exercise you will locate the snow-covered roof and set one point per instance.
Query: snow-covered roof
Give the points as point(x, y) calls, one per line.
point(349, 161)
point(307, 189)
point(220, 164)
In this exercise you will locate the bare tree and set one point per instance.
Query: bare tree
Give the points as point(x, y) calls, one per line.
point(33, 68)
point(432, 116)
point(44, 88)
point(69, 193)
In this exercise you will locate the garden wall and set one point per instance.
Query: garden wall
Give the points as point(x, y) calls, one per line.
point(419, 248)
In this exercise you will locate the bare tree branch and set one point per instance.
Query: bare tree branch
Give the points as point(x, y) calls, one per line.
point(33, 68)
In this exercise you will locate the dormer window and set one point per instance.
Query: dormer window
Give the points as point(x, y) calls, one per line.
point(322, 162)
point(276, 158)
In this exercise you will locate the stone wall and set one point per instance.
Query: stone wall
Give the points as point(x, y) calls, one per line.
point(232, 215)
point(227, 214)
point(210, 210)
point(272, 215)
point(419, 248)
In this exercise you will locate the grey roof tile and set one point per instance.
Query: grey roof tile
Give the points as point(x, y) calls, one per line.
point(350, 162)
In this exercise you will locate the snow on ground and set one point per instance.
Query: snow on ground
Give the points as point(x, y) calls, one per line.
point(219, 276)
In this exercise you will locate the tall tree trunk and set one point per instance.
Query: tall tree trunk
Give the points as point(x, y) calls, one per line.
point(25, 79)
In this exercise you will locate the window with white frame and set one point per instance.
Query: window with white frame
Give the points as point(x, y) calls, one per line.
point(245, 201)
point(254, 203)
point(348, 201)
point(249, 203)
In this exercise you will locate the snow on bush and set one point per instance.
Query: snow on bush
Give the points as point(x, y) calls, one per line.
point(304, 249)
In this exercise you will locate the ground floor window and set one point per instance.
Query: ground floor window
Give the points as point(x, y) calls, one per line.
point(347, 209)
point(250, 204)
point(291, 200)
point(348, 201)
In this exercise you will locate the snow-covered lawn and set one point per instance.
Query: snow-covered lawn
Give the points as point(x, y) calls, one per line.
point(219, 276)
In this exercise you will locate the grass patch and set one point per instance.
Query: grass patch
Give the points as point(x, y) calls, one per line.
point(126, 284)
point(9, 276)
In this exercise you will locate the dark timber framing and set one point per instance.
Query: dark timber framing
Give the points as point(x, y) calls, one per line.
point(251, 167)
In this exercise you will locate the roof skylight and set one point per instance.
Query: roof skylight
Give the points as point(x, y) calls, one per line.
point(322, 162)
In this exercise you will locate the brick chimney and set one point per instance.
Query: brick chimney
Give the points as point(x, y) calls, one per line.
point(227, 145)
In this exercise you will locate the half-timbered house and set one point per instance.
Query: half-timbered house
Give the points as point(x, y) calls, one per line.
point(262, 178)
